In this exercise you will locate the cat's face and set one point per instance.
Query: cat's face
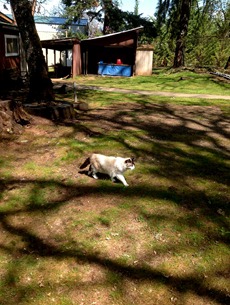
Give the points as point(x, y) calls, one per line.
point(129, 163)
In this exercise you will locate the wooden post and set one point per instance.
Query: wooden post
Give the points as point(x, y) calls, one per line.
point(47, 58)
point(76, 60)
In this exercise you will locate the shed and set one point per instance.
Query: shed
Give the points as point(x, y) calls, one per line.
point(116, 51)
point(9, 49)
point(144, 60)
point(110, 50)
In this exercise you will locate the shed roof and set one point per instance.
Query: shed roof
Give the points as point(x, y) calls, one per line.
point(124, 38)
point(59, 44)
point(109, 39)
point(115, 34)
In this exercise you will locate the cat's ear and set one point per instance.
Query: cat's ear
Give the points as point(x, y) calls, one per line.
point(130, 160)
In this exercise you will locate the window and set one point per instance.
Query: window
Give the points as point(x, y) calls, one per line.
point(11, 45)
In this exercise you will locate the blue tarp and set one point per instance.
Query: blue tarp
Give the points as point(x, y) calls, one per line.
point(114, 70)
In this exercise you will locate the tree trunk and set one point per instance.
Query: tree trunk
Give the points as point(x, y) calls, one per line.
point(40, 85)
point(107, 5)
point(182, 33)
point(12, 116)
point(227, 66)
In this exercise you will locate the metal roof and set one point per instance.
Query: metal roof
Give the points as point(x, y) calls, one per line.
point(54, 20)
point(59, 21)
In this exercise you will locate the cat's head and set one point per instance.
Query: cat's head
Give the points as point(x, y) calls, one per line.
point(130, 163)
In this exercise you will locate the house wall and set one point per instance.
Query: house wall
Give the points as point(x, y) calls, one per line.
point(144, 62)
point(9, 65)
point(45, 32)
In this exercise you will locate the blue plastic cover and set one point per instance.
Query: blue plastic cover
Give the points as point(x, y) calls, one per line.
point(114, 70)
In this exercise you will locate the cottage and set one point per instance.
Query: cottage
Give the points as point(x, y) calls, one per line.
point(9, 50)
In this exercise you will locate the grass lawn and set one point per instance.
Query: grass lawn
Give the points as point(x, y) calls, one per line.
point(163, 80)
point(68, 239)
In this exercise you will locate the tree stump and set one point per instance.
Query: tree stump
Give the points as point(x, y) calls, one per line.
point(12, 116)
point(61, 111)
point(56, 111)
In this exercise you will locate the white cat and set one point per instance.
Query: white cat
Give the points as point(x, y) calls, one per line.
point(112, 166)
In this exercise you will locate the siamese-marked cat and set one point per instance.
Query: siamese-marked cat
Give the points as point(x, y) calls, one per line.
point(112, 166)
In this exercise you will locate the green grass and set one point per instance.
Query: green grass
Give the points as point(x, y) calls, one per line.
point(163, 80)
point(69, 239)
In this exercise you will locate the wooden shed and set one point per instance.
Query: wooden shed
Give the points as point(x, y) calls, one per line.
point(144, 60)
point(9, 49)
point(112, 54)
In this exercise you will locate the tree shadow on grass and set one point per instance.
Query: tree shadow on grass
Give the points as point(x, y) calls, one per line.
point(174, 163)
point(37, 247)
point(181, 140)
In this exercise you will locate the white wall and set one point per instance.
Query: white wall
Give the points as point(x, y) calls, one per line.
point(144, 62)
point(45, 32)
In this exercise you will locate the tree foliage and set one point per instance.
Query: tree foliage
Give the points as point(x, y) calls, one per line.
point(184, 32)
point(111, 16)
point(203, 40)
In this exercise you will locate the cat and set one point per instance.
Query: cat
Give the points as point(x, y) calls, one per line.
point(112, 166)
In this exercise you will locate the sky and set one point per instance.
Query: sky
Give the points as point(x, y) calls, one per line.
point(146, 7)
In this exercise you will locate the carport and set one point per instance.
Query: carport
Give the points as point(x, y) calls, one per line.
point(63, 45)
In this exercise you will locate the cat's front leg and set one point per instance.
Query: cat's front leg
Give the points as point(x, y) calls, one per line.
point(113, 178)
point(122, 179)
point(92, 171)
point(94, 175)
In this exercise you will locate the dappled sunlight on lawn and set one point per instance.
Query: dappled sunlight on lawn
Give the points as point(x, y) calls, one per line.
point(69, 239)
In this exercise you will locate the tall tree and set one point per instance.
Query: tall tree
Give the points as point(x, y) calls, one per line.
point(112, 17)
point(182, 33)
point(178, 13)
point(136, 7)
point(40, 85)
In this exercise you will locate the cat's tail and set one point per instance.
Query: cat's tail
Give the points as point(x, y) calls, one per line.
point(86, 163)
